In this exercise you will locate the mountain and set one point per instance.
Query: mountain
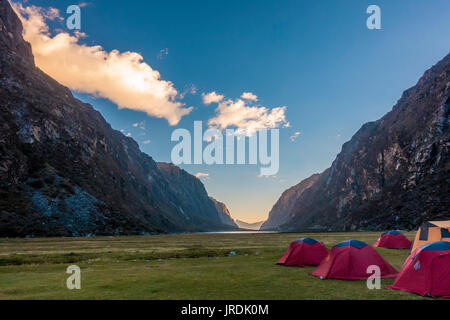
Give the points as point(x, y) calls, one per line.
point(393, 173)
point(65, 172)
point(224, 214)
point(280, 211)
point(249, 226)
point(195, 204)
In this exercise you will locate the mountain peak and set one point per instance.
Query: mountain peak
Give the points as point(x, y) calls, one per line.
point(391, 174)
point(65, 172)
point(12, 44)
point(224, 213)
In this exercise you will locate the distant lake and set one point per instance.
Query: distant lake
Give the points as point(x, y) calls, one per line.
point(238, 232)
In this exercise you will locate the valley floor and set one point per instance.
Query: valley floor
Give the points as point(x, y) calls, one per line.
point(186, 266)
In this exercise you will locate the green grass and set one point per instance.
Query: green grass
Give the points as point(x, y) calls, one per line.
point(187, 266)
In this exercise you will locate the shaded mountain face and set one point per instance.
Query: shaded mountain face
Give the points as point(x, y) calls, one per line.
point(249, 226)
point(195, 204)
point(283, 207)
point(393, 173)
point(65, 172)
point(224, 214)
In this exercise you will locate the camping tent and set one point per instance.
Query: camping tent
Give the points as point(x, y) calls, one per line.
point(393, 240)
point(432, 231)
point(304, 252)
point(426, 271)
point(349, 260)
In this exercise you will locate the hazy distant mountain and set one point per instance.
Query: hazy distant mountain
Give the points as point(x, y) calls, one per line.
point(65, 172)
point(249, 226)
point(393, 173)
point(281, 210)
point(224, 214)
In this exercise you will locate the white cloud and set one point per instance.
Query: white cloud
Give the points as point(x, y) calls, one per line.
point(146, 142)
point(211, 97)
point(201, 175)
point(122, 77)
point(128, 135)
point(135, 125)
point(246, 119)
point(249, 96)
point(295, 136)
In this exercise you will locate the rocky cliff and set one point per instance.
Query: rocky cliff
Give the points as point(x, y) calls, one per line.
point(65, 172)
point(280, 213)
point(393, 173)
point(224, 214)
point(195, 204)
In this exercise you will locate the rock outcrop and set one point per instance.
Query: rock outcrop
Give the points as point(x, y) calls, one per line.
point(283, 207)
point(393, 173)
point(224, 214)
point(65, 172)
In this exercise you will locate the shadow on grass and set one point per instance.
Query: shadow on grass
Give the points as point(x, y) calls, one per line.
point(29, 259)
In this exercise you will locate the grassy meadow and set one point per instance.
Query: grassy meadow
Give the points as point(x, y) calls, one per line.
point(183, 266)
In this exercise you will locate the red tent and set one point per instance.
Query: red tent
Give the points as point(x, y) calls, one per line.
point(426, 271)
point(350, 259)
point(393, 240)
point(304, 252)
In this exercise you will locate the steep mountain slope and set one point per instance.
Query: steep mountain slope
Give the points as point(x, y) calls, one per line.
point(65, 171)
point(224, 214)
point(280, 211)
point(195, 204)
point(393, 173)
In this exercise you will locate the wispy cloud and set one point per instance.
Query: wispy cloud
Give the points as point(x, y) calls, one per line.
point(190, 89)
point(295, 136)
point(122, 77)
point(84, 4)
point(266, 177)
point(140, 125)
point(146, 141)
point(201, 175)
point(163, 53)
point(211, 97)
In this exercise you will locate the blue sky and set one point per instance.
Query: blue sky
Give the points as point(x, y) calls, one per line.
point(317, 58)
